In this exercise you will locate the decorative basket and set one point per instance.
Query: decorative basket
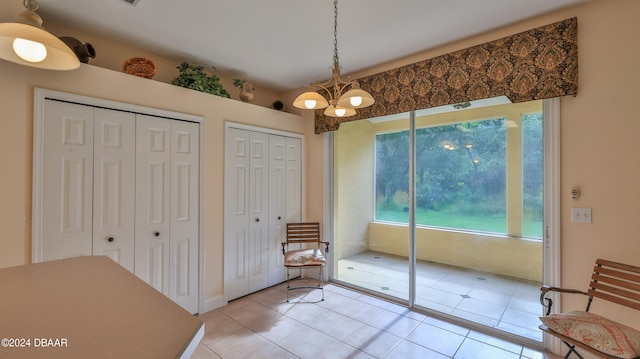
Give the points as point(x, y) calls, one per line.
point(139, 66)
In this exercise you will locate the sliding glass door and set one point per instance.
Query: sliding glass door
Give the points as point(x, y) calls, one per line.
point(476, 198)
point(361, 201)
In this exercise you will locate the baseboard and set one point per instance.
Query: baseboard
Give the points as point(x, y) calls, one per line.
point(213, 303)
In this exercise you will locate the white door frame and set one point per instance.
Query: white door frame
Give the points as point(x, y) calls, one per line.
point(40, 95)
point(552, 216)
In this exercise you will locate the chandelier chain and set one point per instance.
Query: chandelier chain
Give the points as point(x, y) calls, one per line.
point(336, 62)
point(340, 102)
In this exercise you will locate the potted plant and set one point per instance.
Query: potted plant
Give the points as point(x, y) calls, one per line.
point(193, 77)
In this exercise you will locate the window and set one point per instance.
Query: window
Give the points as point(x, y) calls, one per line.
point(461, 175)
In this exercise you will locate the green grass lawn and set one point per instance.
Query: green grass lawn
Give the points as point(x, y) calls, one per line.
point(489, 223)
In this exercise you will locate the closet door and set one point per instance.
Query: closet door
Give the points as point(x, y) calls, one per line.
point(285, 202)
point(114, 186)
point(110, 182)
point(153, 168)
point(67, 181)
point(184, 214)
point(260, 172)
point(277, 207)
point(258, 249)
point(236, 213)
point(246, 212)
point(293, 194)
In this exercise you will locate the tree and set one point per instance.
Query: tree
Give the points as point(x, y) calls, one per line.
point(392, 165)
point(459, 167)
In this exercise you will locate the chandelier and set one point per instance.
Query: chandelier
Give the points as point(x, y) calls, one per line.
point(340, 104)
point(27, 43)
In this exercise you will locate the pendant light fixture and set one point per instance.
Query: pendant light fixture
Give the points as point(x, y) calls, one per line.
point(27, 43)
point(340, 104)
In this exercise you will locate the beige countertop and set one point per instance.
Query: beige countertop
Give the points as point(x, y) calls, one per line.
point(89, 307)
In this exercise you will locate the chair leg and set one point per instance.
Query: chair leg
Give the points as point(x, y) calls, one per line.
point(319, 285)
point(288, 285)
point(572, 349)
point(321, 280)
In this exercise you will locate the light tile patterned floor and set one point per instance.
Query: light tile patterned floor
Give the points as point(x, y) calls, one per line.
point(347, 324)
point(496, 301)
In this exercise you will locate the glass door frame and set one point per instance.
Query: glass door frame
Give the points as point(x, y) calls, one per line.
point(551, 225)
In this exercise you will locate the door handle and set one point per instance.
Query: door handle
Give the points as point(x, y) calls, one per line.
point(110, 239)
point(157, 234)
point(257, 219)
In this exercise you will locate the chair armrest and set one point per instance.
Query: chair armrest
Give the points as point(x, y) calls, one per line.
point(546, 289)
point(326, 248)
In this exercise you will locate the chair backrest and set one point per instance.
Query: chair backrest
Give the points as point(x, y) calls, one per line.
point(616, 282)
point(307, 232)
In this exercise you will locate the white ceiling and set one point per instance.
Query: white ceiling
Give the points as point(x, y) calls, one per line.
point(287, 44)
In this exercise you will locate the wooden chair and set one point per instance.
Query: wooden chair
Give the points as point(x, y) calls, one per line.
point(613, 282)
point(303, 249)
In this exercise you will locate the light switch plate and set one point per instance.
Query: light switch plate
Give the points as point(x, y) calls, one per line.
point(581, 215)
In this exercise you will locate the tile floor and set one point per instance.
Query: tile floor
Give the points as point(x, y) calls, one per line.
point(496, 301)
point(347, 324)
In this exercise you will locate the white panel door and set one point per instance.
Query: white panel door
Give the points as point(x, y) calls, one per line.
point(152, 201)
point(122, 185)
point(277, 208)
point(114, 186)
point(258, 248)
point(184, 214)
point(286, 187)
point(293, 180)
point(236, 213)
point(258, 179)
point(67, 180)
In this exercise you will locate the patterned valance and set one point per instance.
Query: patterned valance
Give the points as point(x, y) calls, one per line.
point(532, 65)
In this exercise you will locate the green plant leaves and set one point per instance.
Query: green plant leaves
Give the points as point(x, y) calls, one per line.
point(193, 77)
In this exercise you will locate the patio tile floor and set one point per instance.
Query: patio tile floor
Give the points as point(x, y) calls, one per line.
point(497, 301)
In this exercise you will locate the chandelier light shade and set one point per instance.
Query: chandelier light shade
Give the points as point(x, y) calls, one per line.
point(356, 97)
point(335, 110)
point(340, 104)
point(27, 43)
point(310, 100)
